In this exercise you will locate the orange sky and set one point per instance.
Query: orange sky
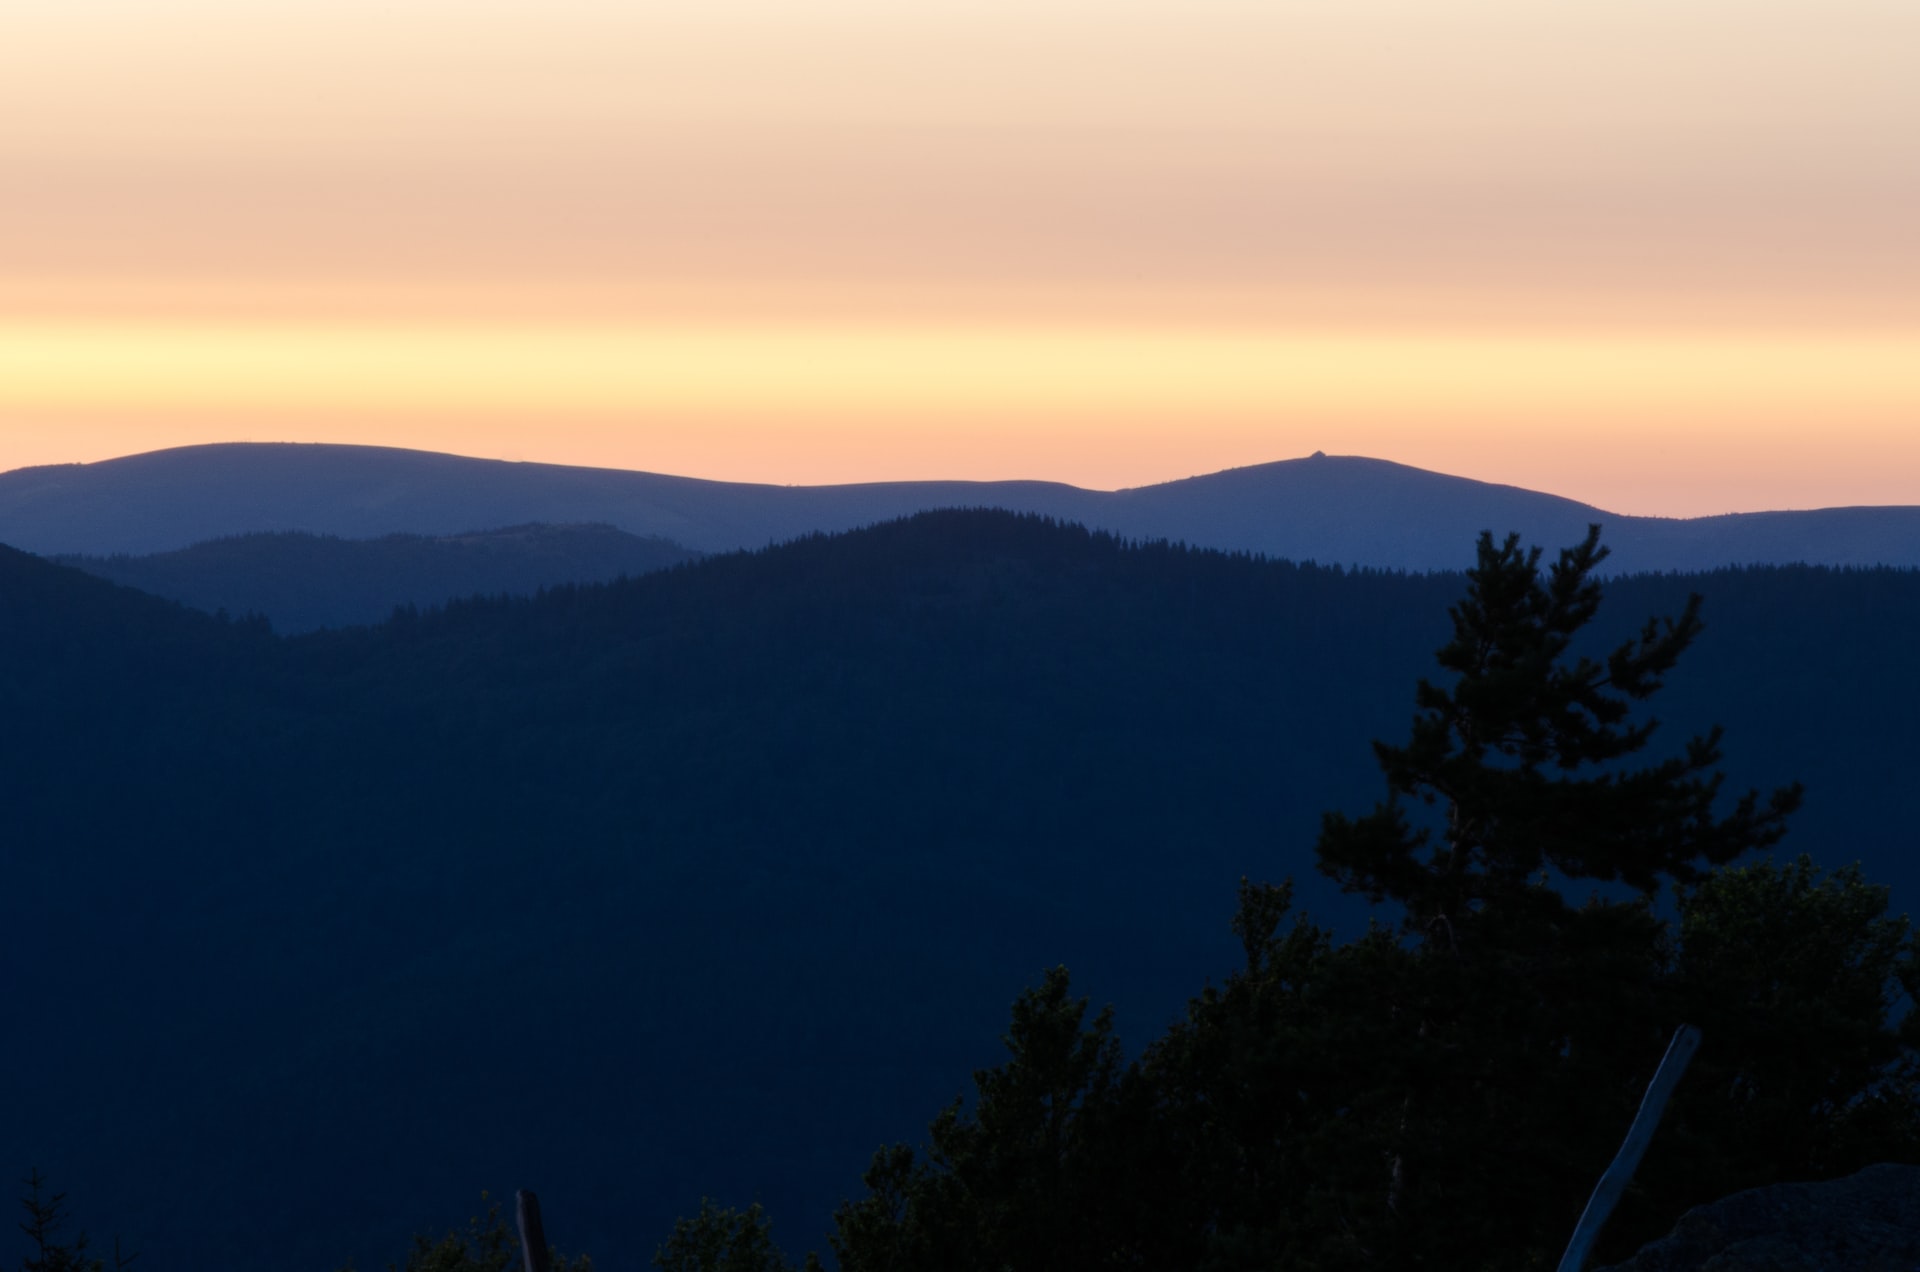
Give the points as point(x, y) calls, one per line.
point(1658, 256)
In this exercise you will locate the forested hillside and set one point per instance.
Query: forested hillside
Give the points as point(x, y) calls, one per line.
point(711, 881)
point(303, 582)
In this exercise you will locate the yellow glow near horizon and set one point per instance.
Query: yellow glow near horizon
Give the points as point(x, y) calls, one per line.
point(1678, 423)
point(977, 369)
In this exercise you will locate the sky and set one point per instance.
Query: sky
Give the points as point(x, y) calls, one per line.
point(1658, 256)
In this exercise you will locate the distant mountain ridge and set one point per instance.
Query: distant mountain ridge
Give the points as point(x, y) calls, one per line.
point(302, 581)
point(1333, 509)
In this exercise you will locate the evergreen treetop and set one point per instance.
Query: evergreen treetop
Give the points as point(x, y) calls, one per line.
point(1521, 754)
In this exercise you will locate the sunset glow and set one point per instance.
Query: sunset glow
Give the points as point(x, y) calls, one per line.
point(1658, 257)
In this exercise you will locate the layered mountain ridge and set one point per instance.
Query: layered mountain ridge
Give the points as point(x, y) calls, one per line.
point(1342, 510)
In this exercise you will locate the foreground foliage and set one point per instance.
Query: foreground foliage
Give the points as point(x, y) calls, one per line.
point(1442, 1091)
point(486, 1244)
point(44, 1221)
point(722, 1239)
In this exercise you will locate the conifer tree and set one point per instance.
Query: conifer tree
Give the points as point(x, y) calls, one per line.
point(722, 1239)
point(487, 1245)
point(1523, 767)
point(1441, 1093)
point(1030, 1176)
point(46, 1215)
point(1520, 758)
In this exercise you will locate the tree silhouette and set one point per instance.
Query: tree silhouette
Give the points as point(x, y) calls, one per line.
point(722, 1239)
point(1442, 1092)
point(1519, 758)
point(46, 1216)
point(1028, 1176)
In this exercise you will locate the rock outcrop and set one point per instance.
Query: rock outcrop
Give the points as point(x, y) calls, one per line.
point(1869, 1222)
